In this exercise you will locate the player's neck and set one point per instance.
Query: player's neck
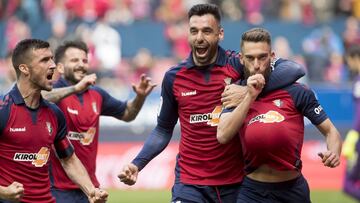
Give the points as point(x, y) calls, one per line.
point(30, 95)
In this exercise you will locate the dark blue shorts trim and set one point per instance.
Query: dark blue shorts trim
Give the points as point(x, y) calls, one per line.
point(294, 191)
point(67, 196)
point(204, 194)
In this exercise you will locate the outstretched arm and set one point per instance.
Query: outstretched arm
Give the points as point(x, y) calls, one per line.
point(142, 90)
point(331, 157)
point(57, 94)
point(154, 145)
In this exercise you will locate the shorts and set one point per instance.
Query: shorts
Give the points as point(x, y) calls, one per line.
point(182, 193)
point(294, 191)
point(66, 196)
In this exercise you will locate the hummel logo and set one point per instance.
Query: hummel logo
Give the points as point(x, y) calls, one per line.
point(184, 94)
point(23, 129)
point(72, 111)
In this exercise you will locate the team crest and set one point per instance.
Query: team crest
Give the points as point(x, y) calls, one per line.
point(94, 107)
point(49, 128)
point(227, 81)
point(278, 103)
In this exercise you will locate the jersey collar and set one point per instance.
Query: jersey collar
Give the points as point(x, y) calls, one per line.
point(18, 99)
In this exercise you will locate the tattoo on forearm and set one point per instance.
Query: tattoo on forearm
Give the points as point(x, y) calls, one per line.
point(58, 94)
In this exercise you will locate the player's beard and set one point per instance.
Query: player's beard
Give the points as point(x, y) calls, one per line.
point(266, 74)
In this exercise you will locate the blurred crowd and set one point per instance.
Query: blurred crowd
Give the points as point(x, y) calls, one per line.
point(93, 22)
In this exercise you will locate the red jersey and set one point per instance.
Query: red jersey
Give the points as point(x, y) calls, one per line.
point(273, 130)
point(26, 139)
point(82, 112)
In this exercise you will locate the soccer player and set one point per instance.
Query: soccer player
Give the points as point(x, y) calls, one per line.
point(351, 146)
point(206, 171)
point(83, 104)
point(271, 129)
point(30, 126)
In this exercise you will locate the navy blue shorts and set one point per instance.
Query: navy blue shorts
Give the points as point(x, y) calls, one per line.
point(67, 196)
point(182, 193)
point(294, 191)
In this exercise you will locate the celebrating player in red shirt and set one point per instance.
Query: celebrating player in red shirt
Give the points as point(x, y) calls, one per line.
point(206, 171)
point(30, 126)
point(83, 104)
point(271, 129)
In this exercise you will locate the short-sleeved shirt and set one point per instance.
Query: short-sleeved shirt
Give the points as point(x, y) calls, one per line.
point(273, 130)
point(82, 112)
point(26, 139)
point(193, 95)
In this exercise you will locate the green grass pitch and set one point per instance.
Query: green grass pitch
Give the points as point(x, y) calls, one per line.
point(163, 196)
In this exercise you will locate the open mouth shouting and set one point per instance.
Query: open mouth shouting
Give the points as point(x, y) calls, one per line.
point(50, 75)
point(201, 51)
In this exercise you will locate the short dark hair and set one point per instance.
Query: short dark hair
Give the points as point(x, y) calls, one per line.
point(21, 53)
point(256, 35)
point(60, 51)
point(203, 9)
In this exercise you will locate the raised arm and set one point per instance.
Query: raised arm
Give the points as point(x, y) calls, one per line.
point(330, 157)
point(142, 90)
point(231, 122)
point(285, 72)
point(57, 94)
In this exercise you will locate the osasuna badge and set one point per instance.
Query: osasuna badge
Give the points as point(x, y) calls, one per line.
point(278, 103)
point(94, 107)
point(227, 81)
point(49, 128)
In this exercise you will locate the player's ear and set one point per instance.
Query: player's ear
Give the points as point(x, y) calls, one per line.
point(272, 56)
point(221, 34)
point(24, 69)
point(241, 59)
point(60, 68)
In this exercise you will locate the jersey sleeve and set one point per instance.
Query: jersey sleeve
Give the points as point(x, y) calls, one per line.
point(160, 137)
point(4, 111)
point(111, 106)
point(156, 142)
point(62, 145)
point(306, 102)
point(284, 73)
point(168, 107)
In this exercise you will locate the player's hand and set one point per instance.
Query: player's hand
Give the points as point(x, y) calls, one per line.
point(233, 95)
point(144, 87)
point(329, 159)
point(84, 83)
point(255, 84)
point(14, 192)
point(129, 174)
point(98, 196)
